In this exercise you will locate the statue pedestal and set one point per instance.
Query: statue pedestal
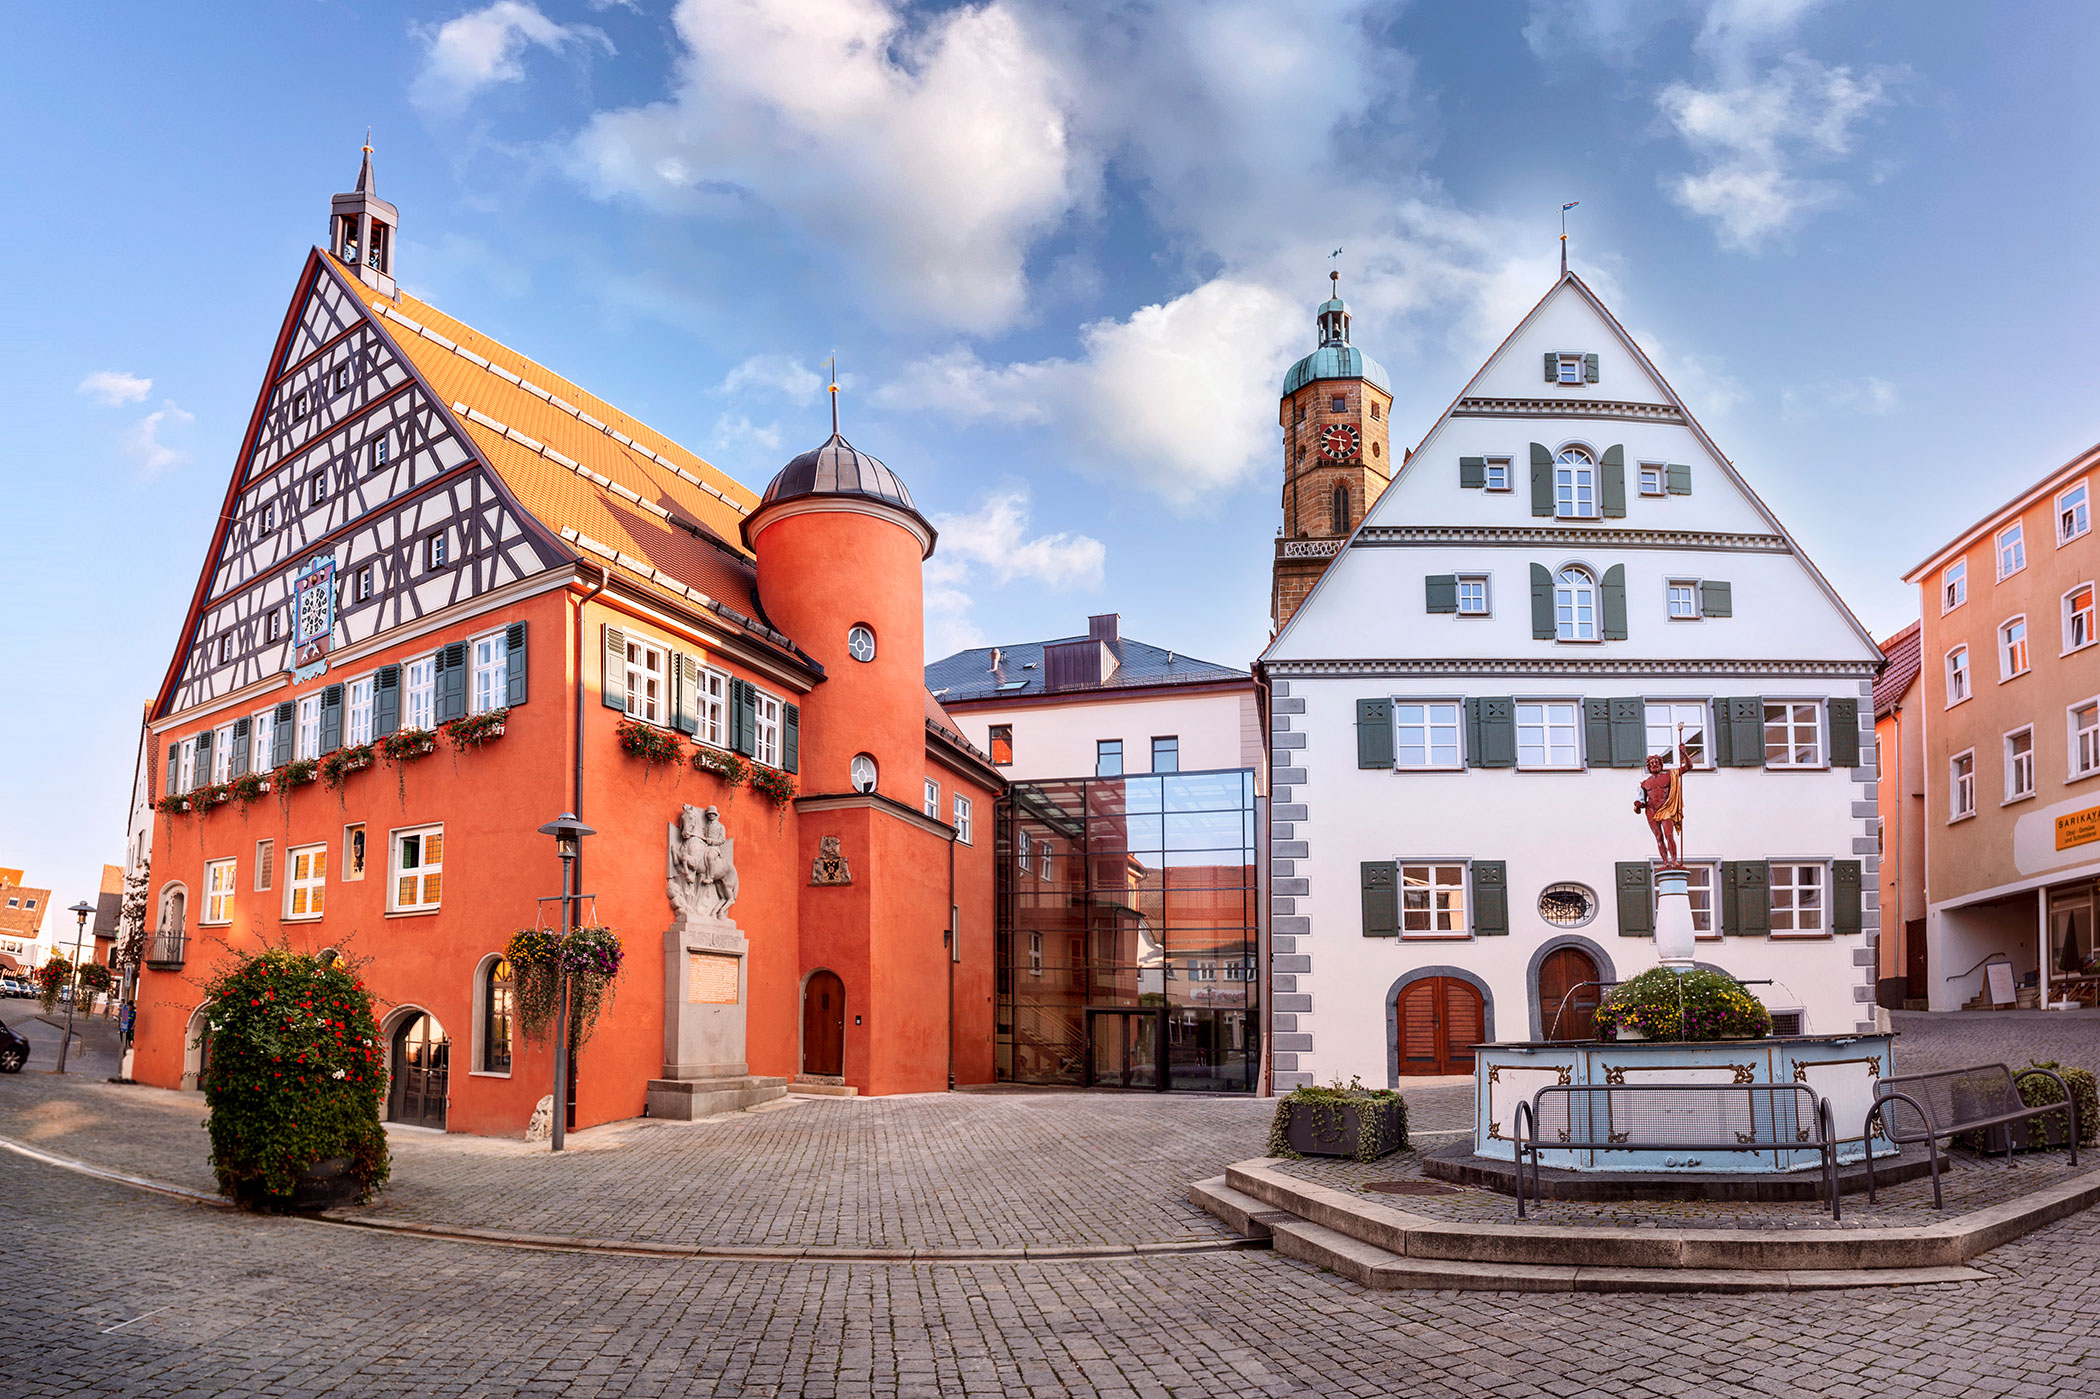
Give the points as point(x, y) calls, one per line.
point(705, 991)
point(1675, 938)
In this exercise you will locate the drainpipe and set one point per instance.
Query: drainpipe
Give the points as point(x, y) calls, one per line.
point(1266, 1083)
point(575, 866)
point(1902, 939)
point(954, 950)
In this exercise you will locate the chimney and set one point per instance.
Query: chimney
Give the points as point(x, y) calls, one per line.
point(996, 658)
point(1106, 627)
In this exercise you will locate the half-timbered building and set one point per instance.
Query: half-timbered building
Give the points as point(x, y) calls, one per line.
point(452, 595)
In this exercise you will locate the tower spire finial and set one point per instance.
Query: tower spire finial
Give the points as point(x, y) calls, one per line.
point(1564, 234)
point(834, 395)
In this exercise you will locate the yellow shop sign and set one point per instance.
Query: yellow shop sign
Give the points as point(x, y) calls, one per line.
point(2078, 828)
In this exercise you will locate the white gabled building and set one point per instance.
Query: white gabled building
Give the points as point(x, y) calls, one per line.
point(1562, 572)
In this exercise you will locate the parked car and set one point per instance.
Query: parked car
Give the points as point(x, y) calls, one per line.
point(14, 1051)
point(15, 986)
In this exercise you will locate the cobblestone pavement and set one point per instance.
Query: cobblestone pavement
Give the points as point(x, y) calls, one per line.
point(139, 1295)
point(1926, 1042)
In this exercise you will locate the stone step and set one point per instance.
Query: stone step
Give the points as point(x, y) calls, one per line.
point(1243, 1214)
point(822, 1085)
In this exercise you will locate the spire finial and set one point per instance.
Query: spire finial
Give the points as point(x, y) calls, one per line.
point(1564, 234)
point(834, 395)
point(364, 168)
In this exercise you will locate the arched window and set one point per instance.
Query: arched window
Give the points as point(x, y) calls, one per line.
point(496, 1017)
point(1341, 509)
point(1575, 604)
point(1575, 484)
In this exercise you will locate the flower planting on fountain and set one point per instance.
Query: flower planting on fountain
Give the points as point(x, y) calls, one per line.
point(1662, 1004)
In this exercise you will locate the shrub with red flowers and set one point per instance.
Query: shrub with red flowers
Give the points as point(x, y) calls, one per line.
point(294, 1077)
point(51, 978)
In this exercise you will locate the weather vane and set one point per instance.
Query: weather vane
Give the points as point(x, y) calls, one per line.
point(1564, 234)
point(834, 366)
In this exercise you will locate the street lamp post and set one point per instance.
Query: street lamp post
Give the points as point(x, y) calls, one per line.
point(80, 912)
point(568, 833)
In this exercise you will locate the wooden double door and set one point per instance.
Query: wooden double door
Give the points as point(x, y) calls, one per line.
point(1440, 1020)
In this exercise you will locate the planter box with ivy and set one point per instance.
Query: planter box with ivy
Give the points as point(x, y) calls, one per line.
point(407, 745)
point(218, 794)
point(337, 766)
point(297, 773)
point(249, 787)
point(476, 729)
point(173, 804)
point(734, 769)
point(647, 742)
point(1341, 1120)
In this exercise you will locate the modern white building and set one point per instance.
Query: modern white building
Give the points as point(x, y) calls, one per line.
point(1563, 573)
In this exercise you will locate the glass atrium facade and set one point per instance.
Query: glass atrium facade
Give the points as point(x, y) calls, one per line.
point(1127, 932)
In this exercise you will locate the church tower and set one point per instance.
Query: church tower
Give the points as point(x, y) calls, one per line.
point(1337, 457)
point(361, 228)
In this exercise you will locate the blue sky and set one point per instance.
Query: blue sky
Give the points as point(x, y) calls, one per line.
point(1063, 253)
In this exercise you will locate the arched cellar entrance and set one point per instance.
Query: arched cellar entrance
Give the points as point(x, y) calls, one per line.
point(824, 1025)
point(419, 1072)
point(1440, 1020)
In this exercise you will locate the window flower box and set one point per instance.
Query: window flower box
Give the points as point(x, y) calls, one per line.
point(733, 769)
point(648, 742)
point(218, 794)
point(772, 784)
point(476, 729)
point(337, 766)
point(173, 804)
point(296, 773)
point(250, 786)
point(407, 745)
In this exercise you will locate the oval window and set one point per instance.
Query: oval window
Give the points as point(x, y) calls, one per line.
point(860, 643)
point(1568, 905)
point(863, 773)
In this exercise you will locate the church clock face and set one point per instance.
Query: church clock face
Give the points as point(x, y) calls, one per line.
point(1340, 442)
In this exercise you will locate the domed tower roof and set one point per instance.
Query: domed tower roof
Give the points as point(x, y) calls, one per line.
point(839, 469)
point(1336, 358)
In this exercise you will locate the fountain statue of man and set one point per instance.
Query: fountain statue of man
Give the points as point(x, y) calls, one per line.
point(1662, 799)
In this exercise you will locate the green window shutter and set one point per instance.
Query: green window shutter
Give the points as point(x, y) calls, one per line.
point(1716, 599)
point(386, 701)
point(1636, 883)
point(1746, 732)
point(174, 768)
point(1552, 367)
point(1725, 898)
point(331, 718)
point(451, 682)
point(1442, 589)
point(790, 738)
point(1611, 483)
point(1717, 735)
point(1374, 733)
point(1629, 733)
point(1490, 898)
point(1474, 751)
point(1472, 472)
point(243, 731)
point(517, 668)
point(1589, 369)
point(1596, 732)
point(1753, 897)
point(203, 769)
point(612, 684)
point(1844, 896)
point(281, 735)
point(685, 693)
point(1678, 478)
point(1611, 602)
point(1541, 603)
point(1498, 733)
point(746, 701)
point(1541, 480)
point(1844, 733)
point(1381, 892)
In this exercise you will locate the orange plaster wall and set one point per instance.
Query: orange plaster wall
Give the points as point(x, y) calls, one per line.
point(975, 1010)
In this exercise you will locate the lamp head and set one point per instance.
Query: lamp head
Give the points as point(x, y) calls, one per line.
point(568, 833)
point(81, 910)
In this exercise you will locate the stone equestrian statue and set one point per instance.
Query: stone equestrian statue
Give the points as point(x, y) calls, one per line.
point(700, 868)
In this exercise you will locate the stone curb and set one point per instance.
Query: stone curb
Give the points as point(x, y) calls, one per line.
point(158, 1187)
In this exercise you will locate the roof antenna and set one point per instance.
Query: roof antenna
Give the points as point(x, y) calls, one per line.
point(834, 395)
point(1564, 234)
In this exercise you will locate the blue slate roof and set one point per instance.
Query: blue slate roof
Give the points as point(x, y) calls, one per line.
point(968, 675)
point(1336, 362)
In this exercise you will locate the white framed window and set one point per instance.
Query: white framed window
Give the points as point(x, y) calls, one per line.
point(1575, 604)
point(1548, 734)
point(222, 754)
point(342, 377)
point(1683, 599)
point(269, 517)
point(2085, 738)
point(306, 890)
point(961, 821)
point(1961, 785)
point(1575, 483)
point(1425, 734)
point(437, 552)
point(273, 624)
point(265, 864)
point(1498, 476)
point(767, 710)
point(491, 672)
point(1793, 733)
point(1021, 848)
point(1957, 675)
point(361, 589)
point(218, 891)
point(417, 866)
point(2078, 618)
point(1665, 718)
point(186, 765)
point(932, 804)
point(2074, 515)
point(1472, 595)
point(357, 715)
point(1035, 954)
point(860, 643)
point(318, 486)
point(225, 647)
point(1568, 366)
point(861, 772)
point(307, 737)
point(353, 866)
point(1433, 900)
point(1655, 478)
point(647, 676)
point(379, 453)
point(2012, 649)
point(262, 732)
point(2012, 550)
point(2019, 764)
point(1699, 890)
point(299, 405)
point(419, 693)
point(711, 708)
point(1954, 585)
point(1797, 900)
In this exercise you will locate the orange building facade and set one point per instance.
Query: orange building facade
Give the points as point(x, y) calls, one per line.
point(451, 596)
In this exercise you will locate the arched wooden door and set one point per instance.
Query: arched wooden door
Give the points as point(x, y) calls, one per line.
point(1568, 992)
point(824, 1025)
point(421, 1078)
point(1440, 1022)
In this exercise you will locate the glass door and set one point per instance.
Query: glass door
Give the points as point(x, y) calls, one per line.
point(1123, 1048)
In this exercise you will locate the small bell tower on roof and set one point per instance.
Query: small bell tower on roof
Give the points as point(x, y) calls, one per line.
point(362, 227)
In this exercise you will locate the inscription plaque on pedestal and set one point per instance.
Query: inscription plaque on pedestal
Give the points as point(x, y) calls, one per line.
point(711, 979)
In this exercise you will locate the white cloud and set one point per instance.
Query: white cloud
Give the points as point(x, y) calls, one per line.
point(777, 374)
point(932, 154)
point(1870, 396)
point(1705, 385)
point(993, 540)
point(112, 387)
point(483, 47)
point(143, 442)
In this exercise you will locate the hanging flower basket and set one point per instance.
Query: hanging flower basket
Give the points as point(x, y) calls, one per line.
point(51, 978)
point(651, 744)
point(92, 979)
point(250, 786)
point(476, 729)
point(173, 804)
point(407, 745)
point(733, 769)
point(591, 956)
point(772, 784)
point(218, 794)
point(337, 766)
point(296, 773)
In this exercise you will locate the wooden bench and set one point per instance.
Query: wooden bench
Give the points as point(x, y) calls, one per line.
point(1689, 1117)
point(1953, 1101)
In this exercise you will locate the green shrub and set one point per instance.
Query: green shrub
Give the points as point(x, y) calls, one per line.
point(1694, 1005)
point(2036, 1090)
point(1324, 1107)
point(294, 1077)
